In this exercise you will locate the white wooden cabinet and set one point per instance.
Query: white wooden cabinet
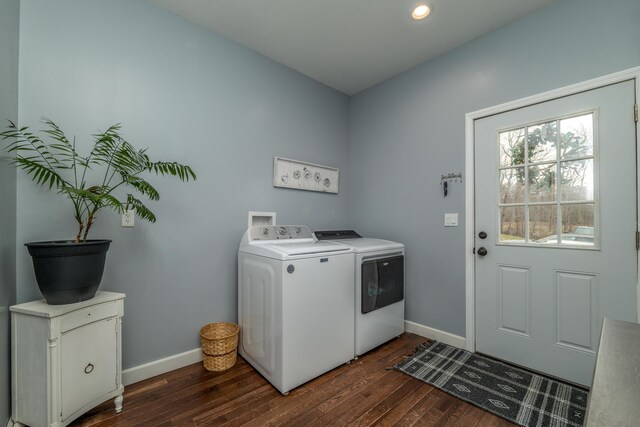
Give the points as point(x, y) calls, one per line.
point(66, 359)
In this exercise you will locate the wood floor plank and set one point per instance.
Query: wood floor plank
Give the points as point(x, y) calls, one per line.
point(386, 404)
point(488, 420)
point(352, 408)
point(363, 393)
point(195, 397)
point(452, 415)
point(351, 377)
point(300, 402)
point(471, 417)
point(395, 414)
point(373, 367)
point(273, 413)
point(419, 409)
point(435, 413)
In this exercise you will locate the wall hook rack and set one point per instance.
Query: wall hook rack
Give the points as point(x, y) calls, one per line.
point(446, 179)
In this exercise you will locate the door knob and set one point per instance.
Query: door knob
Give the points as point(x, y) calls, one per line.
point(482, 235)
point(482, 251)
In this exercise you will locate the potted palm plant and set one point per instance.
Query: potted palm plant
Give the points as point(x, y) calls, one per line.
point(69, 271)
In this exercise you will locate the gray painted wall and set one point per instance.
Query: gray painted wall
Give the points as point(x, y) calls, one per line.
point(198, 98)
point(409, 130)
point(189, 96)
point(9, 32)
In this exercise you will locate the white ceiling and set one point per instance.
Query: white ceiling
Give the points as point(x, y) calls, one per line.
point(350, 45)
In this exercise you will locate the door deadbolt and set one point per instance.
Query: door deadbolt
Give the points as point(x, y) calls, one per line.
point(482, 235)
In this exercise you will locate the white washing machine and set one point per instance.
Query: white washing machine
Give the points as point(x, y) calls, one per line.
point(295, 304)
point(379, 287)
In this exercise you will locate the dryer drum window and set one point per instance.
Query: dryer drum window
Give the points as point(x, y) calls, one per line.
point(382, 283)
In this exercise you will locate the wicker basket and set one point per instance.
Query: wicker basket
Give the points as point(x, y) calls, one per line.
point(219, 343)
point(219, 363)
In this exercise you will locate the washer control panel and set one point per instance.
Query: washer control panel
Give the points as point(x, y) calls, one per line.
point(337, 235)
point(280, 232)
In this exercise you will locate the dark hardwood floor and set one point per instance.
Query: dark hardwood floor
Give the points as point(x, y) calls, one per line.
point(362, 393)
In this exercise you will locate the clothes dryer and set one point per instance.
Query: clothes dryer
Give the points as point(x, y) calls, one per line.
point(295, 304)
point(378, 287)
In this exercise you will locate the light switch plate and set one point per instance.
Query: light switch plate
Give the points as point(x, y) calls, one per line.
point(451, 220)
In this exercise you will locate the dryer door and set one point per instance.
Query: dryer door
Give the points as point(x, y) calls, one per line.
point(382, 282)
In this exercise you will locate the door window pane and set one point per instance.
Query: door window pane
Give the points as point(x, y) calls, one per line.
point(578, 224)
point(512, 185)
point(576, 136)
point(512, 224)
point(512, 147)
point(577, 180)
point(542, 183)
point(543, 223)
point(542, 142)
point(553, 176)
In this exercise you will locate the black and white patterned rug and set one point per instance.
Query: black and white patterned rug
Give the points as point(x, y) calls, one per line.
point(512, 393)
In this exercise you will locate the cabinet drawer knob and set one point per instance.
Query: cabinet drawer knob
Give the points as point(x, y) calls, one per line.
point(88, 369)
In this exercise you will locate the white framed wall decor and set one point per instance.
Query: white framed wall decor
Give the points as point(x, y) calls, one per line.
point(288, 173)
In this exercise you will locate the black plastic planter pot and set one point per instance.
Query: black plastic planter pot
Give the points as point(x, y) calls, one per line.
point(67, 271)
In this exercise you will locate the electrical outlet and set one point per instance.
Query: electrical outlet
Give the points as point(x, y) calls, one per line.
point(128, 218)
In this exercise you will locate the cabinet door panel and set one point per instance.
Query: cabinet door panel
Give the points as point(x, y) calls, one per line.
point(88, 356)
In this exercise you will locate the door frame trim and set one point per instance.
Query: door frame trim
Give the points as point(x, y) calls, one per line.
point(470, 118)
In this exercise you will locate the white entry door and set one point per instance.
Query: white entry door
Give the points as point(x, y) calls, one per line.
point(555, 206)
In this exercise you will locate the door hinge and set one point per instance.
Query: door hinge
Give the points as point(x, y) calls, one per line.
point(635, 113)
point(637, 240)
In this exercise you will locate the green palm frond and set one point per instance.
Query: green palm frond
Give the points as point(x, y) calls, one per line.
point(143, 187)
point(89, 194)
point(127, 159)
point(97, 196)
point(24, 141)
point(107, 200)
point(183, 172)
point(64, 148)
point(141, 210)
point(41, 173)
point(105, 145)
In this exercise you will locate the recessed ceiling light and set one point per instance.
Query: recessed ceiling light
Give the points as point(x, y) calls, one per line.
point(420, 12)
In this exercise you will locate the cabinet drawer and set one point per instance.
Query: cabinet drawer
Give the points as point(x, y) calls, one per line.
point(89, 364)
point(88, 315)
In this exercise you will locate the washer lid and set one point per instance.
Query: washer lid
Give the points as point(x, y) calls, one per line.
point(357, 242)
point(293, 249)
point(366, 244)
point(288, 249)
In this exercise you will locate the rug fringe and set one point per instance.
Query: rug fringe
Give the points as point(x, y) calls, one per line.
point(419, 349)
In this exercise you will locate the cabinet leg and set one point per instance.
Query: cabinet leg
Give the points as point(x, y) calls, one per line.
point(118, 402)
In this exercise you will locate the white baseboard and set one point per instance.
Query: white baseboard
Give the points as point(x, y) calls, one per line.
point(160, 366)
point(435, 334)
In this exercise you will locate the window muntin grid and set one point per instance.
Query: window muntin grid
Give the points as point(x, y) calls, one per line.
point(547, 183)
